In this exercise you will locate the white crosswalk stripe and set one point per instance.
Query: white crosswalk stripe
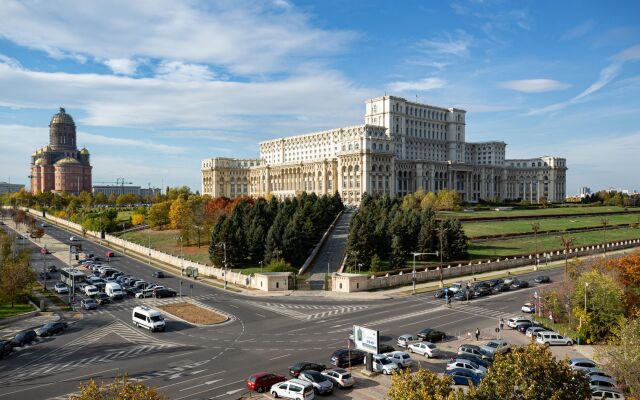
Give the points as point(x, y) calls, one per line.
point(295, 310)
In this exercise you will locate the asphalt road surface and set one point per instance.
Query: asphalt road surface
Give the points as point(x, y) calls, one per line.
point(264, 334)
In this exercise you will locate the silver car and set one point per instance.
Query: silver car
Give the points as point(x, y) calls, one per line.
point(340, 377)
point(402, 359)
point(321, 384)
point(496, 347)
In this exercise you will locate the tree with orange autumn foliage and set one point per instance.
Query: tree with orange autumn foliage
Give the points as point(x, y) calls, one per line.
point(627, 271)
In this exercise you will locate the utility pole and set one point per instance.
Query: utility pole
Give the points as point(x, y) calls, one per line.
point(604, 222)
point(441, 235)
point(149, 247)
point(566, 244)
point(535, 226)
point(44, 266)
point(224, 247)
point(181, 264)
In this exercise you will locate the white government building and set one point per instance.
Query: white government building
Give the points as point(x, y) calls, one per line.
point(401, 147)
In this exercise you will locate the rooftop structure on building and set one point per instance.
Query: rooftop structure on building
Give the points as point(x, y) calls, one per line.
point(401, 146)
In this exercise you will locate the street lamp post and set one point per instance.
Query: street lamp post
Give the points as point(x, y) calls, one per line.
point(224, 247)
point(260, 262)
point(586, 286)
point(440, 236)
point(414, 267)
point(44, 266)
point(604, 222)
point(181, 264)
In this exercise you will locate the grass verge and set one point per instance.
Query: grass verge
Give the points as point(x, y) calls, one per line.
point(194, 314)
point(7, 311)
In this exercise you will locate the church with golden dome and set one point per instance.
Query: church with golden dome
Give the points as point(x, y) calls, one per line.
point(60, 166)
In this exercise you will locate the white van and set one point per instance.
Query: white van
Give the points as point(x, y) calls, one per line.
point(113, 290)
point(552, 339)
point(91, 290)
point(148, 318)
point(296, 389)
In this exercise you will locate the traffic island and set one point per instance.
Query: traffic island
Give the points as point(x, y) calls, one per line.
point(194, 314)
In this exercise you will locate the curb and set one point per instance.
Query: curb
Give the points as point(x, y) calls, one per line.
point(229, 317)
point(8, 321)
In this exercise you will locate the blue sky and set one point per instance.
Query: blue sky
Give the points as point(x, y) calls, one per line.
point(157, 86)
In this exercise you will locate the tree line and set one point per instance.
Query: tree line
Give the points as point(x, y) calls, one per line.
point(390, 229)
point(612, 198)
point(268, 230)
point(16, 275)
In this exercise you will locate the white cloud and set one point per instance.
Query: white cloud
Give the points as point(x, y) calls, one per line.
point(181, 72)
point(246, 37)
point(534, 85)
point(122, 66)
point(421, 85)
point(450, 45)
point(579, 31)
point(93, 139)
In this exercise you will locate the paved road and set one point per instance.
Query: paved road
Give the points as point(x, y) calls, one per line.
point(189, 362)
point(332, 252)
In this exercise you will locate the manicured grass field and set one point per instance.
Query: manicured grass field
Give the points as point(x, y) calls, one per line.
point(475, 229)
point(7, 311)
point(533, 213)
point(166, 242)
point(518, 246)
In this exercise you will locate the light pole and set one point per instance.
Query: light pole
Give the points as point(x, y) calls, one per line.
point(604, 222)
point(149, 246)
point(586, 286)
point(181, 264)
point(359, 267)
point(260, 262)
point(224, 247)
point(414, 267)
point(44, 266)
point(440, 236)
point(535, 226)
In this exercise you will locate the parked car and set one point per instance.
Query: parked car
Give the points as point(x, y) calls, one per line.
point(402, 359)
point(109, 254)
point(347, 357)
point(482, 291)
point(23, 338)
point(158, 274)
point(52, 268)
point(456, 287)
point(385, 348)
point(463, 376)
point(88, 304)
point(463, 294)
point(5, 348)
point(509, 280)
point(532, 331)
point(321, 384)
point(494, 282)
point(44, 276)
point(439, 293)
point(475, 351)
point(262, 381)
point(102, 298)
point(298, 367)
point(296, 389)
point(600, 382)
point(598, 394)
point(431, 335)
point(583, 364)
point(165, 292)
point(596, 372)
point(384, 364)
point(340, 377)
point(61, 288)
point(474, 359)
point(518, 284)
point(51, 328)
point(43, 225)
point(542, 279)
point(552, 339)
point(500, 287)
point(73, 239)
point(528, 308)
point(405, 340)
point(90, 290)
point(468, 365)
point(496, 347)
point(427, 349)
point(513, 322)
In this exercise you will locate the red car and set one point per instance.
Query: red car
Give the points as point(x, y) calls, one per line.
point(262, 381)
point(110, 254)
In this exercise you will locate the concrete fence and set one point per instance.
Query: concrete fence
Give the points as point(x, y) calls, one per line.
point(354, 282)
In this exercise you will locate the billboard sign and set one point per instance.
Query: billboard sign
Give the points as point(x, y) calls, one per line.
point(366, 339)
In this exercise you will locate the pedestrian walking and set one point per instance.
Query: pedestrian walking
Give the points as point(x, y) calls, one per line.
point(477, 334)
point(501, 323)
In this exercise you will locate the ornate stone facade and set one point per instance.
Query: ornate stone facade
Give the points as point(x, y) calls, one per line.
point(60, 166)
point(401, 147)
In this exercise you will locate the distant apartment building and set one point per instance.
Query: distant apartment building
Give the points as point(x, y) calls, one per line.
point(118, 190)
point(401, 147)
point(10, 187)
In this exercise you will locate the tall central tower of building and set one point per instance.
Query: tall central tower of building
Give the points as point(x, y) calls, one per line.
point(60, 166)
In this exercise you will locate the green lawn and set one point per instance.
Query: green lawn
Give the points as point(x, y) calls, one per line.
point(123, 216)
point(475, 229)
point(166, 242)
point(521, 246)
point(7, 311)
point(533, 213)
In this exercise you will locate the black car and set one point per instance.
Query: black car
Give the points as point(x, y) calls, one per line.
point(132, 291)
point(438, 294)
point(475, 359)
point(51, 328)
point(23, 338)
point(463, 294)
point(160, 293)
point(542, 279)
point(517, 284)
point(431, 335)
point(385, 348)
point(296, 368)
point(500, 287)
point(102, 298)
point(495, 282)
point(522, 327)
point(44, 275)
point(482, 291)
point(158, 274)
point(347, 357)
point(52, 268)
point(5, 348)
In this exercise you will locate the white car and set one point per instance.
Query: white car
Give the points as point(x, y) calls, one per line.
point(405, 340)
point(91, 290)
point(528, 308)
point(466, 364)
point(600, 383)
point(340, 377)
point(73, 239)
point(401, 358)
point(496, 347)
point(533, 331)
point(604, 394)
point(384, 364)
point(456, 287)
point(548, 338)
point(583, 364)
point(296, 389)
point(513, 322)
point(427, 349)
point(61, 288)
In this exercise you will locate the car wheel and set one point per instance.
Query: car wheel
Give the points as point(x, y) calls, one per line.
point(569, 343)
point(274, 394)
point(547, 344)
point(260, 390)
point(410, 350)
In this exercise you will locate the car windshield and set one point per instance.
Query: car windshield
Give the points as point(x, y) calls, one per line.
point(384, 361)
point(346, 376)
point(431, 346)
point(493, 344)
point(89, 301)
point(156, 318)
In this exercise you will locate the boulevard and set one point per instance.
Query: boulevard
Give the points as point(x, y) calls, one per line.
point(263, 334)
